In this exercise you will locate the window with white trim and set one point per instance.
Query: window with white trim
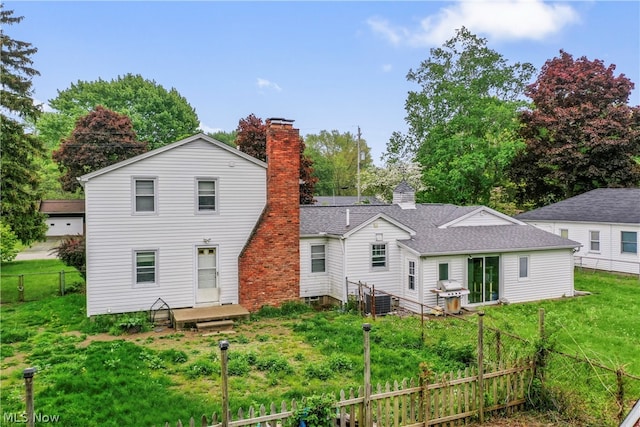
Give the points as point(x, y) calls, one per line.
point(146, 267)
point(144, 195)
point(564, 232)
point(206, 190)
point(629, 242)
point(443, 271)
point(411, 276)
point(379, 256)
point(594, 241)
point(318, 259)
point(523, 267)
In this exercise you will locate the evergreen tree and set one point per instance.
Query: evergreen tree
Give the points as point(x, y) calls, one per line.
point(19, 194)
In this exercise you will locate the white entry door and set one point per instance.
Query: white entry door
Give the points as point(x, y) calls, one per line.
point(207, 290)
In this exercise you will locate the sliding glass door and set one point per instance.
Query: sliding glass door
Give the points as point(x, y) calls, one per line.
point(483, 279)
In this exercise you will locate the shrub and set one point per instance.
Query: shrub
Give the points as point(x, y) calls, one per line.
point(314, 411)
point(71, 251)
point(9, 247)
point(320, 371)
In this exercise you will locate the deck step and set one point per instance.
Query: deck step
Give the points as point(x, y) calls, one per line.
point(217, 325)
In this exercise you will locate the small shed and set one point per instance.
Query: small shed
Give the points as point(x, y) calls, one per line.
point(64, 217)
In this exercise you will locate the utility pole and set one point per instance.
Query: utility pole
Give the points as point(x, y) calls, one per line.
point(358, 171)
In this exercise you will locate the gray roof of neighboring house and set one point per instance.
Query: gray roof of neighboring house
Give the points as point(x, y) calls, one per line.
point(346, 200)
point(610, 205)
point(424, 220)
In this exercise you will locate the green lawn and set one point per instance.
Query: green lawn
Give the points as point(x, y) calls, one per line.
point(147, 379)
point(41, 279)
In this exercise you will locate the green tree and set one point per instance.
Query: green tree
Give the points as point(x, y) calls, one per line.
point(463, 126)
point(381, 181)
point(159, 116)
point(19, 193)
point(580, 135)
point(100, 138)
point(228, 138)
point(252, 139)
point(8, 243)
point(335, 160)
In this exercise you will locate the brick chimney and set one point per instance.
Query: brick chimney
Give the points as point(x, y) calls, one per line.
point(269, 264)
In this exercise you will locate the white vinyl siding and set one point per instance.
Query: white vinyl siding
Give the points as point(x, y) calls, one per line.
point(206, 195)
point(550, 276)
point(144, 195)
point(175, 231)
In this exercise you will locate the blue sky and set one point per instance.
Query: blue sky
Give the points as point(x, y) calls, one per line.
point(327, 65)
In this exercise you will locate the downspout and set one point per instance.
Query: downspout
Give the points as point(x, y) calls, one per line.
point(343, 245)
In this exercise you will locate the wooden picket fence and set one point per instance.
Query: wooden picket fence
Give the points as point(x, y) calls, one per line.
point(433, 400)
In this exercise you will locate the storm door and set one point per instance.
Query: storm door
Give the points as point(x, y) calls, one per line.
point(207, 290)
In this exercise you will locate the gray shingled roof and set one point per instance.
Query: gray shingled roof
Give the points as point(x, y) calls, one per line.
point(346, 200)
point(610, 205)
point(425, 220)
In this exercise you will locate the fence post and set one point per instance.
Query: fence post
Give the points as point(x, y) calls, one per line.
point(620, 395)
point(422, 324)
point(21, 288)
point(224, 346)
point(61, 282)
point(373, 302)
point(542, 350)
point(367, 377)
point(28, 374)
point(481, 366)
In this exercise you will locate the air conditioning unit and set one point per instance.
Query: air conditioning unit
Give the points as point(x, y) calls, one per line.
point(382, 304)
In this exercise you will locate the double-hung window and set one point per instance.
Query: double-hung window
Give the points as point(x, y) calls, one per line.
point(206, 190)
point(411, 276)
point(146, 267)
point(594, 241)
point(379, 256)
point(318, 259)
point(144, 194)
point(629, 242)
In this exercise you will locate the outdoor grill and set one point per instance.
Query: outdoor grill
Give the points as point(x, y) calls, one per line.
point(451, 291)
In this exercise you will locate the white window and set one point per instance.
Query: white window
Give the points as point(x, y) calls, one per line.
point(629, 242)
point(594, 241)
point(206, 191)
point(443, 271)
point(379, 256)
point(523, 267)
point(318, 259)
point(411, 276)
point(144, 194)
point(564, 233)
point(146, 267)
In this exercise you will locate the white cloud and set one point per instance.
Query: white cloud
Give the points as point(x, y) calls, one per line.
point(209, 129)
point(496, 19)
point(266, 84)
point(43, 106)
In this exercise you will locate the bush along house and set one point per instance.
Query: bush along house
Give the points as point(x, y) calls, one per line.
point(199, 223)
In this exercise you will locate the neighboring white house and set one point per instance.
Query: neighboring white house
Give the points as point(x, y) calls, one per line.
point(172, 223)
point(606, 221)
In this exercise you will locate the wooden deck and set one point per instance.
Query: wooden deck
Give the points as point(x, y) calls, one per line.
point(196, 315)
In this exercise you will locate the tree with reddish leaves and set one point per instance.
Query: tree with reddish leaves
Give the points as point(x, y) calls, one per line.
point(580, 135)
point(252, 139)
point(100, 138)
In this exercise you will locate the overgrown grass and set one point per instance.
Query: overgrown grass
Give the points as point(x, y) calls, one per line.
point(281, 354)
point(41, 279)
